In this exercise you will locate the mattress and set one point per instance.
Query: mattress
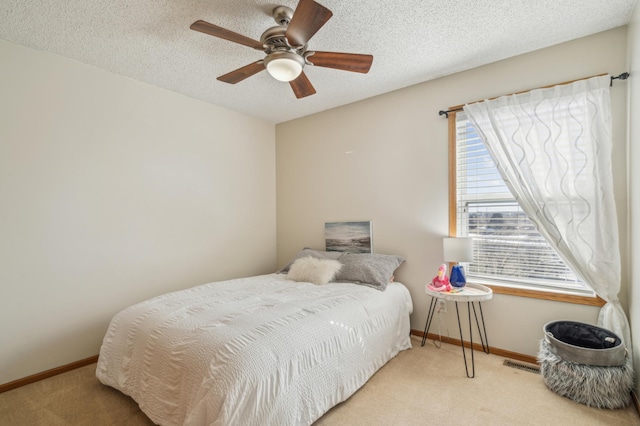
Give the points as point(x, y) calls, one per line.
point(253, 351)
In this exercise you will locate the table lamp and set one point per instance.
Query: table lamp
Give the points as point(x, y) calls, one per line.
point(457, 250)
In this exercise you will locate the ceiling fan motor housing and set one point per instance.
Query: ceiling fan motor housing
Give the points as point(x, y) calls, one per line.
point(276, 46)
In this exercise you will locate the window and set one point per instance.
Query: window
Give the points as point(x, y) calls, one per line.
point(508, 249)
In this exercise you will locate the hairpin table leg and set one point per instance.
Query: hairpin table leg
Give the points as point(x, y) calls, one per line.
point(432, 310)
point(481, 332)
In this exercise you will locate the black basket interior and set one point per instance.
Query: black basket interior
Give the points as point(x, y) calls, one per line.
point(583, 335)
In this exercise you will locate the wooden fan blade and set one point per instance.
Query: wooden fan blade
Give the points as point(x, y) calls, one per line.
point(342, 61)
point(307, 19)
point(302, 87)
point(241, 73)
point(216, 31)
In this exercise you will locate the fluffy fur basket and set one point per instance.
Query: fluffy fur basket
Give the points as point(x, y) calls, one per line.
point(595, 386)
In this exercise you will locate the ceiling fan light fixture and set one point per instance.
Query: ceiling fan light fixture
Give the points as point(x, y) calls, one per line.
point(284, 66)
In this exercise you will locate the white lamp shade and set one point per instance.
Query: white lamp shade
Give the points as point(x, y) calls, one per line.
point(457, 249)
point(284, 68)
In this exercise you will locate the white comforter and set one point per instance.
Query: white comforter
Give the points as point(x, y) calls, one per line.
point(253, 351)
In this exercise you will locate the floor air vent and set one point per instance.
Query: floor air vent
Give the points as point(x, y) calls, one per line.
point(522, 366)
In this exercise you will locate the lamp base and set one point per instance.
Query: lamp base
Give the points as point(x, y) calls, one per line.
point(457, 278)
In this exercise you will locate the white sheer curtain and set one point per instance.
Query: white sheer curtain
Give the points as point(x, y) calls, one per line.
point(553, 149)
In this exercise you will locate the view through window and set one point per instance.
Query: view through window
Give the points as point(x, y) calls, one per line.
point(508, 249)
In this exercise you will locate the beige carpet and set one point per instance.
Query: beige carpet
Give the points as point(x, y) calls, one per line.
point(421, 386)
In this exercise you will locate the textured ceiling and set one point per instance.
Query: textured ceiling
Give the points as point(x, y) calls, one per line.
point(411, 40)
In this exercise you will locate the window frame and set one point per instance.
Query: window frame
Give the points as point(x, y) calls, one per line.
point(558, 296)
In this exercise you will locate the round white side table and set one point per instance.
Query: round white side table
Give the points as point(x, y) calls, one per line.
point(473, 294)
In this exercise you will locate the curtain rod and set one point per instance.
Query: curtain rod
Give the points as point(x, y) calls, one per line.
point(622, 76)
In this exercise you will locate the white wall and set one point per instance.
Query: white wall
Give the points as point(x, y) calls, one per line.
point(385, 159)
point(112, 191)
point(634, 187)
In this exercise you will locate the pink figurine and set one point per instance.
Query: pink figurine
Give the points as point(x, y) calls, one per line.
point(441, 281)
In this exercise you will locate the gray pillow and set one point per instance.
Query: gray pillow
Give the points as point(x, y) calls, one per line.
point(373, 270)
point(316, 254)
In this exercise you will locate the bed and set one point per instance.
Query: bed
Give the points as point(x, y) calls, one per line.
point(263, 350)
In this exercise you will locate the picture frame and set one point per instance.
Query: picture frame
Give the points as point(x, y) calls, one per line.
point(353, 237)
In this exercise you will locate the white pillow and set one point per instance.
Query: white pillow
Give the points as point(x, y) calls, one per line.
point(311, 270)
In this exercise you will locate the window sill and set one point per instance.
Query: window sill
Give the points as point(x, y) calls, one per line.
point(547, 295)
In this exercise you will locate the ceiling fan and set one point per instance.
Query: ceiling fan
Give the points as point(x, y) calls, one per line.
point(286, 50)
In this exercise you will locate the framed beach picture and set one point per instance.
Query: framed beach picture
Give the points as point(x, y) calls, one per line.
point(354, 237)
